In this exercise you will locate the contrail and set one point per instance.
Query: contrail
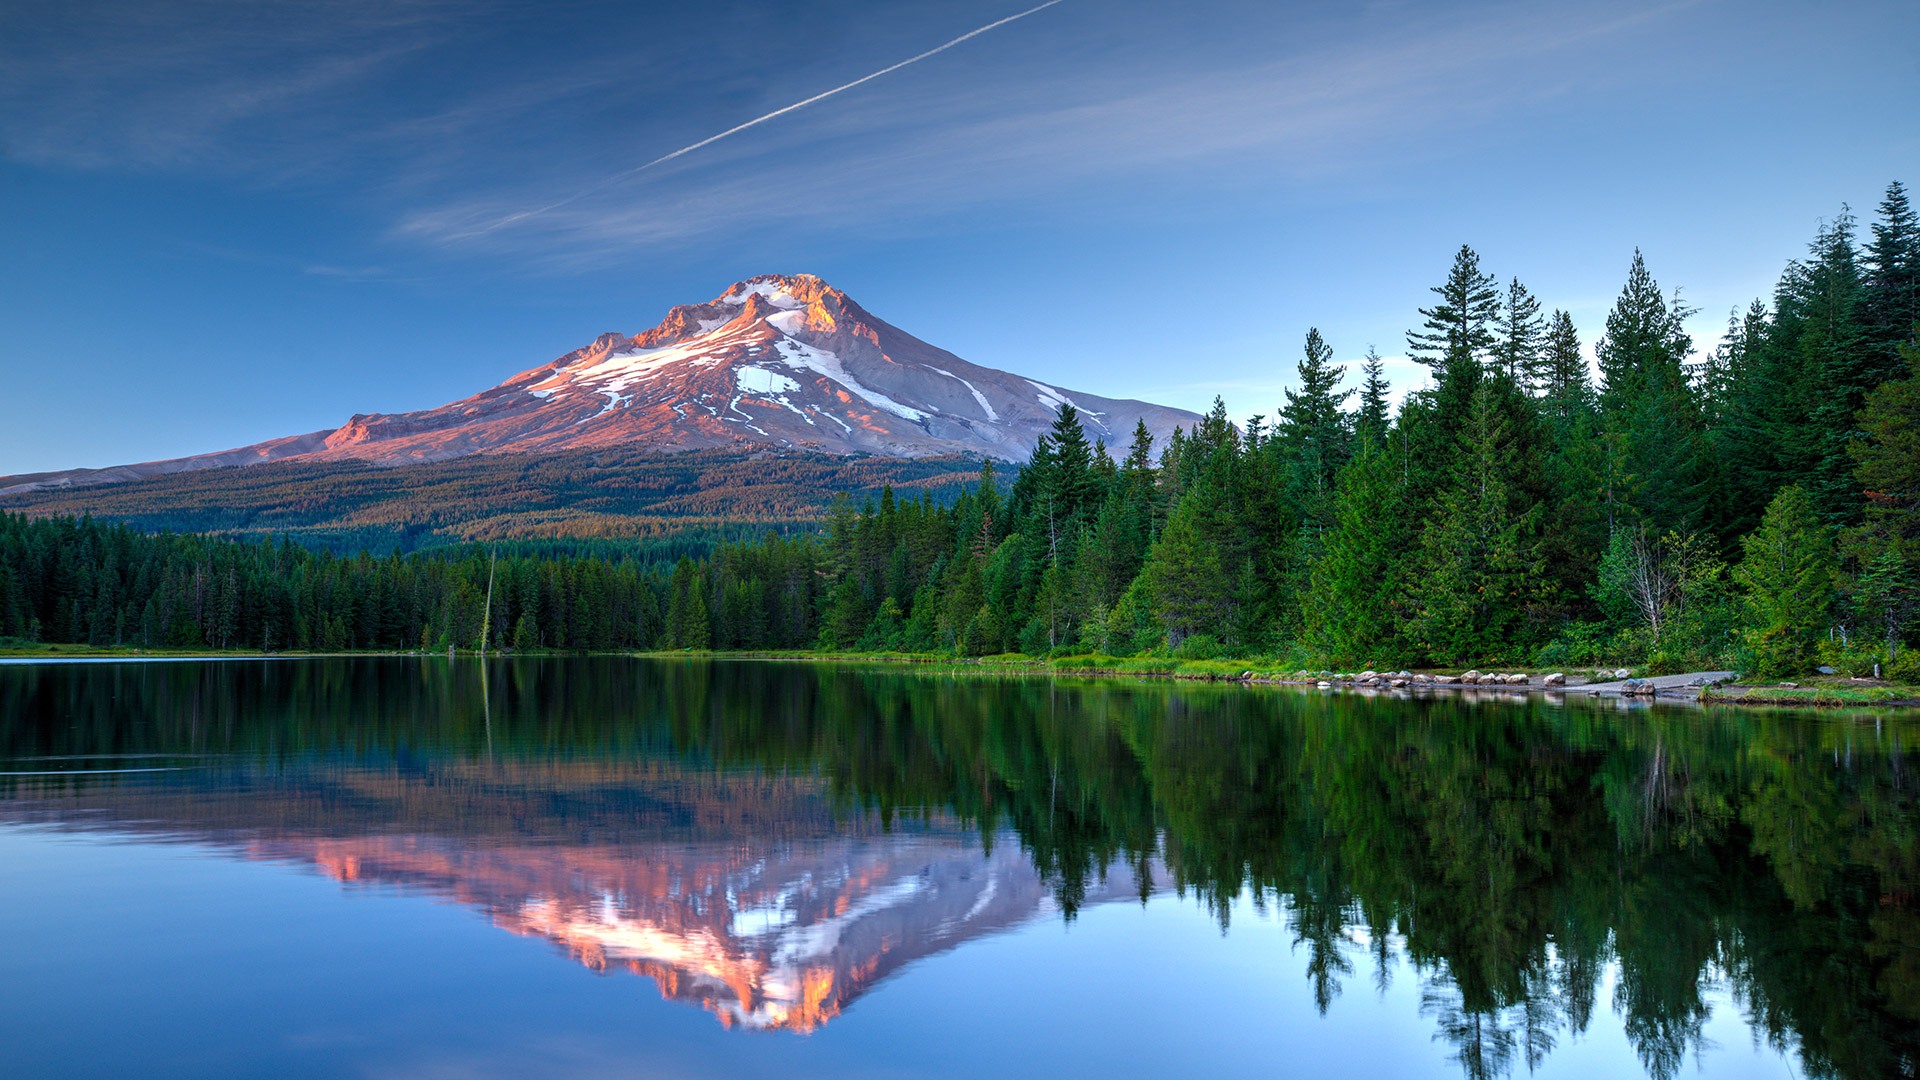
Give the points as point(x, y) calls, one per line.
point(758, 120)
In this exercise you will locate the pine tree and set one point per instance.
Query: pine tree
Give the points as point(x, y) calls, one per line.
point(1214, 435)
point(1566, 389)
point(1734, 411)
point(1312, 430)
point(1766, 392)
point(1890, 304)
point(1139, 458)
point(1787, 575)
point(526, 632)
point(1455, 340)
point(1574, 528)
point(1172, 470)
point(1141, 483)
point(686, 620)
point(1647, 406)
point(1073, 484)
point(1886, 597)
point(1719, 371)
point(1478, 554)
point(1194, 570)
point(1887, 464)
point(1833, 344)
point(699, 622)
point(1459, 328)
point(1518, 345)
point(1637, 348)
point(1351, 612)
point(1370, 421)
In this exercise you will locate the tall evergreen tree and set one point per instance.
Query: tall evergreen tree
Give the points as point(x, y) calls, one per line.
point(1564, 385)
point(1734, 411)
point(1312, 430)
point(1372, 418)
point(1834, 347)
point(1574, 529)
point(1194, 571)
point(1074, 483)
point(1352, 611)
point(1762, 393)
point(1460, 328)
point(1890, 306)
point(1888, 469)
point(1518, 342)
point(1787, 575)
point(1648, 410)
point(1885, 597)
point(1479, 556)
point(1456, 339)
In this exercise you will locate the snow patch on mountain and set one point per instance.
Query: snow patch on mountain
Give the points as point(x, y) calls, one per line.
point(974, 390)
point(759, 380)
point(770, 290)
point(821, 362)
point(622, 369)
point(1054, 399)
point(1051, 398)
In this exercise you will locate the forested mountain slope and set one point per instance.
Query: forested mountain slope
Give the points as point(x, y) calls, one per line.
point(612, 495)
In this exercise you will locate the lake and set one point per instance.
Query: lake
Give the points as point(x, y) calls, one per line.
point(605, 866)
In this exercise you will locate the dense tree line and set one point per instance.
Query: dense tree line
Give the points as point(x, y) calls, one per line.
point(63, 580)
point(1754, 503)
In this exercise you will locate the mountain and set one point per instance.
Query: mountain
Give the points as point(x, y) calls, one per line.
point(775, 362)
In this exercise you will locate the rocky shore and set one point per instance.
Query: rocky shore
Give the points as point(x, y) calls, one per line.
point(1616, 683)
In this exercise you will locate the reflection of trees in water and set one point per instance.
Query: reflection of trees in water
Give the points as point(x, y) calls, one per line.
point(1513, 854)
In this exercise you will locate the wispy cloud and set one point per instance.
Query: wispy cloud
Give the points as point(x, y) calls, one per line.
point(197, 83)
point(764, 118)
point(427, 114)
point(1293, 118)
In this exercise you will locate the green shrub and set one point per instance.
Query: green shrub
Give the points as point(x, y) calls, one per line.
point(1904, 667)
point(1585, 644)
point(1200, 647)
point(1855, 660)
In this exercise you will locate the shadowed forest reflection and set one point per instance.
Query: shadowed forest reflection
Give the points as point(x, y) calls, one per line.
point(1534, 866)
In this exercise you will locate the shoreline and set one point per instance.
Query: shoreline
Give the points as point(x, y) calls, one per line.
point(1712, 688)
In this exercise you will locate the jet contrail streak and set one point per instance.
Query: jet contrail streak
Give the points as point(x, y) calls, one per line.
point(775, 114)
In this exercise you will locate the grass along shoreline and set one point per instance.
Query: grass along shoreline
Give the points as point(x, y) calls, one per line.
point(1813, 691)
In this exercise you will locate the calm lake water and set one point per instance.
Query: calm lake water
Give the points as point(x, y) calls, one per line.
point(615, 867)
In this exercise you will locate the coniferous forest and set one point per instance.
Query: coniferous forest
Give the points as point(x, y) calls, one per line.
point(1752, 502)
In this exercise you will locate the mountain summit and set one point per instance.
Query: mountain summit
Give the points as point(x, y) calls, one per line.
point(775, 361)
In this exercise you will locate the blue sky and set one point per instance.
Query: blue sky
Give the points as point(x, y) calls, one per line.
point(224, 222)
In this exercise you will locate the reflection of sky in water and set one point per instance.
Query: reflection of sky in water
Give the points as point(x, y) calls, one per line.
point(579, 866)
point(129, 954)
point(131, 957)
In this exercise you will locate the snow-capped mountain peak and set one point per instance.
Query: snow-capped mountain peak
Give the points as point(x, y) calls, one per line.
point(782, 361)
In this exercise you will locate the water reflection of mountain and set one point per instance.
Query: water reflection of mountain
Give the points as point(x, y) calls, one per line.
point(747, 895)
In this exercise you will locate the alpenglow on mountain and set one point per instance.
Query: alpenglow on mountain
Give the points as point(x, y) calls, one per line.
point(775, 361)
